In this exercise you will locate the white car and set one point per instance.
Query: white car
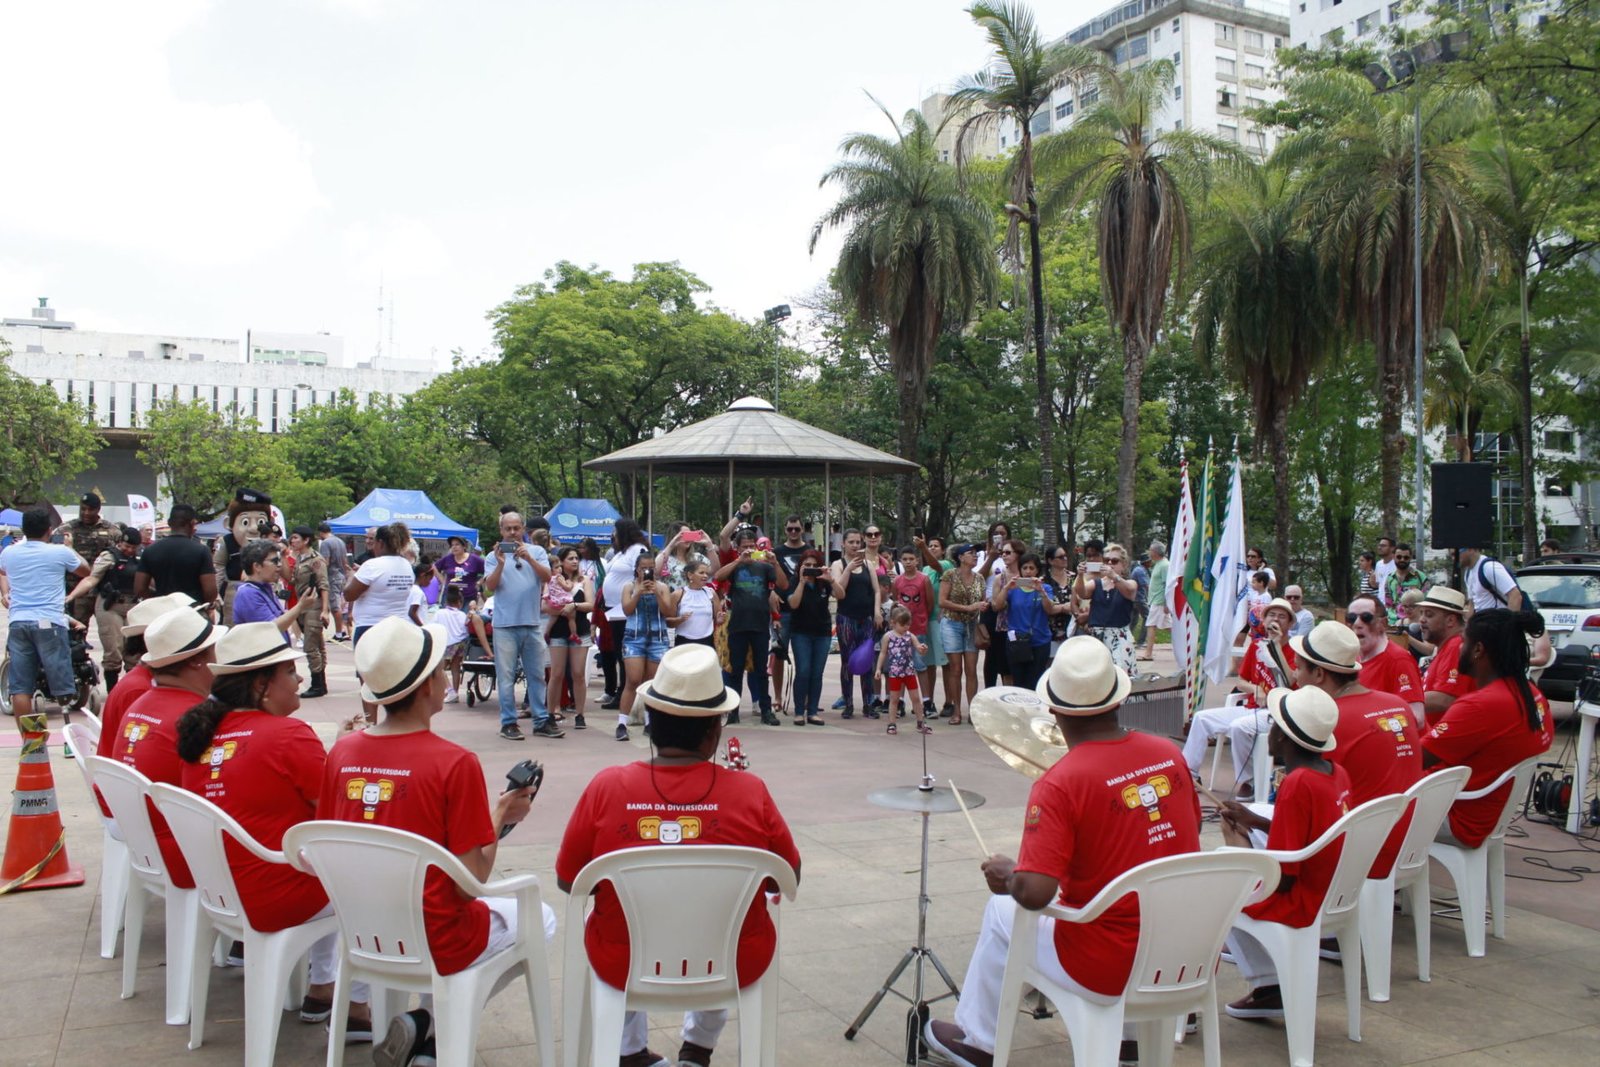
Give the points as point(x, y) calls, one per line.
point(1567, 589)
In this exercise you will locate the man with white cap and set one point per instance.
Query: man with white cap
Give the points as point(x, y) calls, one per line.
point(677, 797)
point(400, 773)
point(180, 647)
point(1268, 663)
point(1314, 795)
point(1442, 614)
point(1118, 798)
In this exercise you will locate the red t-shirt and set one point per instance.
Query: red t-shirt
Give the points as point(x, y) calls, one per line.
point(629, 807)
point(1445, 675)
point(266, 772)
point(147, 741)
point(1392, 671)
point(429, 786)
point(1378, 746)
point(129, 687)
point(1486, 730)
point(1257, 668)
point(1308, 803)
point(915, 593)
point(1104, 807)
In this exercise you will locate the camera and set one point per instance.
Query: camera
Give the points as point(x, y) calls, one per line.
point(508, 547)
point(527, 774)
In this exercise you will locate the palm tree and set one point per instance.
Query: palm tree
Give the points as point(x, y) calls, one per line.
point(1358, 195)
point(1468, 378)
point(1266, 309)
point(1022, 75)
point(1139, 181)
point(918, 252)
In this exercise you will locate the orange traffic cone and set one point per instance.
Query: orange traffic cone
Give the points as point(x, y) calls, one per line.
point(36, 846)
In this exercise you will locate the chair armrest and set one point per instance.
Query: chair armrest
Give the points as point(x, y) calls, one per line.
point(1479, 794)
point(505, 887)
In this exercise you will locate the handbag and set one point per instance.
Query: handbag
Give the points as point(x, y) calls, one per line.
point(1019, 650)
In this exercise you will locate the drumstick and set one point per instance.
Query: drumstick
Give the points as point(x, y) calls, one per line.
point(968, 814)
point(1209, 795)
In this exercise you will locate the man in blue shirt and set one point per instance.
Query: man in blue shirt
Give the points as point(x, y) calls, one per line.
point(515, 577)
point(33, 576)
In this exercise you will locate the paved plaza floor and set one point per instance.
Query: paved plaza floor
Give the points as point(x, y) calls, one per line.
point(1534, 998)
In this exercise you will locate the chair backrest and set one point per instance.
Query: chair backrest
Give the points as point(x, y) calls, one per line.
point(125, 791)
point(83, 743)
point(1187, 905)
point(374, 876)
point(675, 950)
point(198, 826)
point(1363, 831)
point(93, 722)
point(1519, 776)
point(1431, 797)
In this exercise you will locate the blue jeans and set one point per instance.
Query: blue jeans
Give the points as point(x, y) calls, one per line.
point(32, 649)
point(810, 660)
point(524, 643)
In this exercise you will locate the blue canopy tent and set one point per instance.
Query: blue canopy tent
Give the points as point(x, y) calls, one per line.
point(412, 507)
point(573, 518)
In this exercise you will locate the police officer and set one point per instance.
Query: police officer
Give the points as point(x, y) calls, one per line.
point(311, 586)
point(109, 588)
point(89, 536)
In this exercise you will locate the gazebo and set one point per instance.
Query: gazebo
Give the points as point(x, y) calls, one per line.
point(751, 439)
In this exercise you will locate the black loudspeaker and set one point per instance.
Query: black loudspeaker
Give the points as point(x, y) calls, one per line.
point(1462, 517)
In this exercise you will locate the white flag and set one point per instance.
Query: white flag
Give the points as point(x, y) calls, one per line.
point(277, 517)
point(142, 512)
point(1228, 568)
point(1177, 558)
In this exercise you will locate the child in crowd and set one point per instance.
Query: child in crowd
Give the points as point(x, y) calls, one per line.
point(417, 599)
point(1258, 598)
point(899, 661)
point(912, 590)
point(454, 621)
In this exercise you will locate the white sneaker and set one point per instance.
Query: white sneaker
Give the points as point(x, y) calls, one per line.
point(451, 697)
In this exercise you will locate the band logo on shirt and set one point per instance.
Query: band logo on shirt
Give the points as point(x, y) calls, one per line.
point(1147, 795)
point(669, 831)
point(1394, 724)
point(216, 755)
point(370, 794)
point(134, 732)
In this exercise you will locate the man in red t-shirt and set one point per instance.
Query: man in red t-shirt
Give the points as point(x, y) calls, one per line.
point(1502, 722)
point(1442, 614)
point(1117, 799)
point(678, 797)
point(400, 773)
point(1314, 795)
point(179, 647)
point(1268, 664)
point(136, 679)
point(1385, 666)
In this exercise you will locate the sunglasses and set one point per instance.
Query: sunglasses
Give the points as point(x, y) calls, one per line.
point(874, 533)
point(1113, 562)
point(1365, 616)
point(1007, 552)
point(792, 529)
point(1292, 596)
point(275, 559)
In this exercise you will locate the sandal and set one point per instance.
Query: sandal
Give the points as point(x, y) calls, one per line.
point(955, 719)
point(892, 729)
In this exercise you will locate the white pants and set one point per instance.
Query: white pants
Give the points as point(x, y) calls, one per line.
point(502, 933)
point(699, 1027)
point(1255, 965)
point(978, 1011)
point(1208, 724)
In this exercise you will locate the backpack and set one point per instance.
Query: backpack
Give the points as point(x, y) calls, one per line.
point(1528, 602)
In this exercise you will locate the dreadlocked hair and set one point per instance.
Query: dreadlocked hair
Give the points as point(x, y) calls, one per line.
point(230, 692)
point(1503, 634)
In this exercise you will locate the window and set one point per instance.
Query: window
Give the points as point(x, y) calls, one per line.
point(1155, 34)
point(1333, 38)
point(1255, 72)
point(1228, 133)
point(1554, 488)
point(111, 407)
point(1366, 24)
point(945, 155)
point(1177, 59)
point(1254, 39)
point(1394, 12)
point(1064, 109)
point(1277, 42)
point(1177, 92)
point(1560, 441)
point(1227, 68)
point(1254, 101)
point(1225, 33)
point(1089, 96)
point(1002, 140)
point(1258, 141)
point(1040, 123)
point(1225, 99)
point(1178, 125)
point(1174, 25)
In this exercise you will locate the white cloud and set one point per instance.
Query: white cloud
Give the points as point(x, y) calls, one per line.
point(115, 159)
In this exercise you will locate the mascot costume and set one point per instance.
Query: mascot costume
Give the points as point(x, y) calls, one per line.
point(249, 519)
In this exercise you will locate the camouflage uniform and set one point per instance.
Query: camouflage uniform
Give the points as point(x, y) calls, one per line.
point(311, 576)
point(111, 603)
point(88, 542)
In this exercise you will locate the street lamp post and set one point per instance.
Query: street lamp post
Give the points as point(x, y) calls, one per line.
point(775, 315)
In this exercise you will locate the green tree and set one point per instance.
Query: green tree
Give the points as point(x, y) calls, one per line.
point(1336, 447)
point(202, 456)
point(916, 258)
point(308, 501)
point(1264, 308)
point(1140, 182)
point(45, 439)
point(360, 447)
point(1022, 74)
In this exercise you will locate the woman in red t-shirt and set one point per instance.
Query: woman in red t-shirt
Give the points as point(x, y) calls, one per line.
point(1314, 795)
point(243, 751)
point(1504, 721)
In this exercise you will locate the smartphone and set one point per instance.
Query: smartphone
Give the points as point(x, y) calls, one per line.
point(1094, 568)
point(1027, 584)
point(649, 574)
point(811, 572)
point(508, 547)
point(916, 531)
point(692, 535)
point(995, 540)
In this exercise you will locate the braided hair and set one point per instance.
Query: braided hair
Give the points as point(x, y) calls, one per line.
point(1503, 634)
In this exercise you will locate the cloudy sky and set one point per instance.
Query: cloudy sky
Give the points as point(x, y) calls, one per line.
point(204, 168)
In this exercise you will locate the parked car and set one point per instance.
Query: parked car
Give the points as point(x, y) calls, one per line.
point(1567, 589)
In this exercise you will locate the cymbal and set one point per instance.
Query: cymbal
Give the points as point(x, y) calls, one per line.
point(935, 801)
point(1020, 727)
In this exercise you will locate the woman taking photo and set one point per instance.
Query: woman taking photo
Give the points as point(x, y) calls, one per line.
point(810, 629)
point(646, 604)
point(860, 596)
point(261, 565)
point(698, 609)
point(568, 597)
point(628, 542)
point(993, 625)
point(380, 588)
point(960, 603)
point(1027, 609)
point(1058, 587)
point(460, 568)
point(1110, 593)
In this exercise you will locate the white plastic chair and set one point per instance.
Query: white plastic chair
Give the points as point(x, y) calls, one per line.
point(272, 961)
point(1187, 904)
point(679, 959)
point(1479, 872)
point(125, 791)
point(374, 876)
point(1294, 950)
point(1260, 758)
point(114, 871)
point(1430, 799)
point(1233, 700)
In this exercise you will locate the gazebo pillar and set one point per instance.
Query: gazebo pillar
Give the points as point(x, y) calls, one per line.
point(650, 501)
point(730, 488)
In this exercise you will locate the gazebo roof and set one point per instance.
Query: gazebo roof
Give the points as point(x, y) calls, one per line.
point(758, 441)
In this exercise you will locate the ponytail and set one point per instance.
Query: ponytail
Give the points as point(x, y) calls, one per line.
point(198, 725)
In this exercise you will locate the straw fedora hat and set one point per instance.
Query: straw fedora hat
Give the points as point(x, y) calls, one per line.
point(178, 635)
point(1082, 680)
point(1330, 644)
point(1282, 604)
point(396, 656)
point(689, 683)
point(251, 646)
point(1308, 716)
point(145, 612)
point(1445, 599)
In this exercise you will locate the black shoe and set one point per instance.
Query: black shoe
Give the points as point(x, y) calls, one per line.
point(622, 731)
point(947, 711)
point(812, 720)
point(111, 679)
point(769, 719)
point(693, 1055)
point(1128, 1054)
point(733, 717)
point(611, 704)
point(848, 712)
point(548, 728)
point(406, 1035)
point(799, 720)
point(509, 732)
point(871, 712)
point(1329, 950)
point(317, 688)
point(578, 723)
point(928, 710)
point(236, 954)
